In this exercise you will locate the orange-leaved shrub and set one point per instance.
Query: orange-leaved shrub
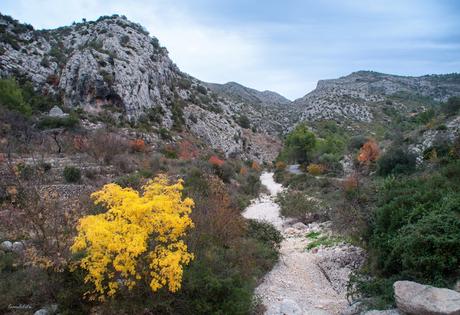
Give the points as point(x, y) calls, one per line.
point(214, 160)
point(369, 152)
point(187, 150)
point(137, 145)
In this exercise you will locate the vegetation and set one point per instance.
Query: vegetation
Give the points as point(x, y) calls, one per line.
point(139, 237)
point(11, 97)
point(397, 160)
point(299, 144)
point(296, 204)
point(71, 174)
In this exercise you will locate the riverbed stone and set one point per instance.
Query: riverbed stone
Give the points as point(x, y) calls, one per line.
point(418, 299)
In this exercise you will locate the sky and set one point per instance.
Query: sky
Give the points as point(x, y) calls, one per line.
point(284, 46)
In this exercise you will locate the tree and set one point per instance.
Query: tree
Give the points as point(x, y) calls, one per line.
point(299, 144)
point(139, 237)
point(12, 98)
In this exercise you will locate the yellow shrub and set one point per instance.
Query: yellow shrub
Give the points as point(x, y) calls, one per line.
point(315, 169)
point(139, 237)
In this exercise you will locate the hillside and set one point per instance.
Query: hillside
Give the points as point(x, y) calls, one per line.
point(130, 187)
point(363, 96)
point(113, 67)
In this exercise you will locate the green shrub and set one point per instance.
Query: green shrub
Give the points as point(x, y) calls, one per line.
point(416, 228)
point(296, 204)
point(133, 180)
point(356, 142)
point(452, 106)
point(396, 160)
point(72, 174)
point(299, 145)
point(244, 122)
point(11, 97)
point(48, 122)
point(264, 232)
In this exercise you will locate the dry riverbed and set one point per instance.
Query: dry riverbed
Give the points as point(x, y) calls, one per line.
point(303, 281)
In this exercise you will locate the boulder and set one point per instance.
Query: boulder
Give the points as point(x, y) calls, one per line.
point(47, 310)
point(17, 247)
point(7, 246)
point(385, 312)
point(418, 299)
point(57, 112)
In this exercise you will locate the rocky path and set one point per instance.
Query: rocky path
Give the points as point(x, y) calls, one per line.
point(296, 285)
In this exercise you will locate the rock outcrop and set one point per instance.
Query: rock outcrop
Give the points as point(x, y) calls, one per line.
point(418, 299)
point(362, 95)
point(113, 65)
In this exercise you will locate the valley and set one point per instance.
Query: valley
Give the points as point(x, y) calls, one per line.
point(130, 187)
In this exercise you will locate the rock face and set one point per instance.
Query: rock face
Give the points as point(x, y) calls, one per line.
point(114, 65)
point(357, 96)
point(417, 299)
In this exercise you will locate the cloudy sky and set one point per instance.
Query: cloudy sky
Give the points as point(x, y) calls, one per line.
point(285, 46)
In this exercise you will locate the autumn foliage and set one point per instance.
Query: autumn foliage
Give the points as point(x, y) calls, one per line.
point(187, 150)
point(216, 161)
point(137, 145)
point(369, 152)
point(255, 166)
point(280, 165)
point(139, 237)
point(316, 169)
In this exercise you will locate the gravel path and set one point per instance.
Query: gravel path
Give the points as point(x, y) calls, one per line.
point(296, 285)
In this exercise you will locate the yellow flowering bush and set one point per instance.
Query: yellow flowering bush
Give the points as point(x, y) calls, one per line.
point(139, 237)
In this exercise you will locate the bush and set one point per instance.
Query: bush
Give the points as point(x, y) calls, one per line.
point(396, 160)
point(356, 142)
point(416, 228)
point(264, 232)
point(12, 98)
point(244, 122)
point(315, 169)
point(137, 145)
point(58, 122)
point(331, 162)
point(296, 204)
point(452, 106)
point(299, 144)
point(71, 174)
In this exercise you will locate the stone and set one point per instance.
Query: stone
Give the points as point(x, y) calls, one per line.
point(17, 247)
point(385, 312)
point(353, 309)
point(56, 111)
point(418, 299)
point(47, 310)
point(289, 307)
point(7, 246)
point(299, 226)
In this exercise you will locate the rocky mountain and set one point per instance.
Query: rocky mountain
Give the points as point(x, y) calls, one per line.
point(241, 93)
point(113, 66)
point(361, 95)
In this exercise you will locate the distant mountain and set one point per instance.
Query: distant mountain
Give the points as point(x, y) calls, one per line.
point(114, 67)
point(241, 93)
point(361, 95)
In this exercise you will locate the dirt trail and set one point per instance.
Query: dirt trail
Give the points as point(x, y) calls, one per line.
point(296, 285)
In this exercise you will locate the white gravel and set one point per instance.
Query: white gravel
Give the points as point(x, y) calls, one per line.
point(296, 279)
